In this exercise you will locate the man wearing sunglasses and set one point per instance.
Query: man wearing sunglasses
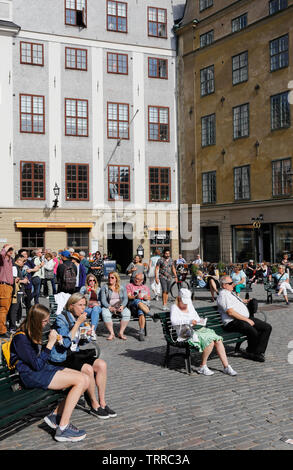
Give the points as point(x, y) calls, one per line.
point(237, 316)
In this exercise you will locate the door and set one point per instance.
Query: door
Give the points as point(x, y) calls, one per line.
point(211, 244)
point(120, 243)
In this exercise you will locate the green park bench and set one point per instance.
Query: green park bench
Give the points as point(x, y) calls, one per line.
point(214, 321)
point(270, 289)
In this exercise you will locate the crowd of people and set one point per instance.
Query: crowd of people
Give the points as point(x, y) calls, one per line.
point(77, 279)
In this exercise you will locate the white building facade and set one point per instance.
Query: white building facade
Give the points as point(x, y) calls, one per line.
point(88, 104)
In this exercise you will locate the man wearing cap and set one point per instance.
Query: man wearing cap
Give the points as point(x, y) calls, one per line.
point(238, 316)
point(62, 270)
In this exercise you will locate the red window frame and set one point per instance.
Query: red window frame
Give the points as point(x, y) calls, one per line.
point(75, 56)
point(118, 182)
point(76, 117)
point(158, 123)
point(74, 9)
point(157, 22)
point(32, 114)
point(31, 62)
point(117, 121)
point(157, 68)
point(117, 63)
point(33, 180)
point(160, 183)
point(117, 16)
point(77, 181)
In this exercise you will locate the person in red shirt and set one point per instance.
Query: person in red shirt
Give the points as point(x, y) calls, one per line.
point(6, 286)
point(139, 295)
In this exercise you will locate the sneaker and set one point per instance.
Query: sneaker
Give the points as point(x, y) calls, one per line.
point(93, 336)
point(229, 371)
point(155, 317)
point(205, 371)
point(164, 308)
point(110, 412)
point(52, 420)
point(100, 413)
point(70, 433)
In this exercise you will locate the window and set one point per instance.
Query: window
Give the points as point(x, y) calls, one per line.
point(31, 53)
point(118, 183)
point(76, 12)
point(239, 23)
point(204, 4)
point(209, 194)
point(77, 182)
point(208, 130)
point(242, 183)
point(118, 121)
point(159, 184)
point(206, 38)
point(160, 240)
point(117, 16)
point(78, 239)
point(32, 114)
point(117, 63)
point(32, 238)
point(157, 22)
point(279, 53)
point(277, 5)
point(76, 117)
point(158, 68)
point(241, 121)
point(281, 177)
point(158, 123)
point(32, 180)
point(240, 68)
point(207, 81)
point(280, 111)
point(75, 59)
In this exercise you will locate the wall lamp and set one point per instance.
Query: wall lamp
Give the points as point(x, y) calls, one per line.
point(222, 100)
point(56, 191)
point(257, 144)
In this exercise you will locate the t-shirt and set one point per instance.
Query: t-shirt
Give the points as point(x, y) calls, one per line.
point(227, 300)
point(277, 276)
point(237, 277)
point(143, 290)
point(165, 268)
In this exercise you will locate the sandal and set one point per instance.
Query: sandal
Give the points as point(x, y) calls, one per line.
point(122, 337)
point(110, 338)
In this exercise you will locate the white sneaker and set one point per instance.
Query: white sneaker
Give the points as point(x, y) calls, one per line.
point(164, 308)
point(205, 371)
point(93, 336)
point(229, 371)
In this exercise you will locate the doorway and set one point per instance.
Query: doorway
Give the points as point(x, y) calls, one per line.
point(210, 244)
point(120, 243)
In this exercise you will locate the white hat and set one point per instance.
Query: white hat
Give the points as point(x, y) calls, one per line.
point(185, 295)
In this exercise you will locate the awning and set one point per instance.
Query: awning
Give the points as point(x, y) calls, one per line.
point(56, 225)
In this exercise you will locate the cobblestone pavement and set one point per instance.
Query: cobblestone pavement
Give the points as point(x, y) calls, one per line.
point(165, 409)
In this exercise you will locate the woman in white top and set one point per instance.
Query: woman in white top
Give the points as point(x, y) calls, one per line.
point(184, 317)
point(156, 288)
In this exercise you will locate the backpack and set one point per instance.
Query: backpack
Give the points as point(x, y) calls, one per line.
point(69, 277)
point(6, 350)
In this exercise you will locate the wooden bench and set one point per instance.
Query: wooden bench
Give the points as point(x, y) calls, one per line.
point(270, 289)
point(18, 405)
point(214, 321)
point(116, 319)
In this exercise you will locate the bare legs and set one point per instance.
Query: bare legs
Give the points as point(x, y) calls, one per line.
point(97, 376)
point(220, 351)
point(213, 288)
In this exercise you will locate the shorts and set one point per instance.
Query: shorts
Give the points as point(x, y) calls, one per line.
point(166, 284)
point(76, 360)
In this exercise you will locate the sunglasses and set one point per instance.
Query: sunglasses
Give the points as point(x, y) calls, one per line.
point(91, 280)
point(229, 283)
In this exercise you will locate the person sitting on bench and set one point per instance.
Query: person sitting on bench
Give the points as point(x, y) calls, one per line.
point(184, 317)
point(139, 296)
point(238, 315)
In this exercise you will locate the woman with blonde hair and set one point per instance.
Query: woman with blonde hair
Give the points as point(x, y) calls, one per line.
point(69, 354)
point(35, 371)
point(114, 301)
point(92, 291)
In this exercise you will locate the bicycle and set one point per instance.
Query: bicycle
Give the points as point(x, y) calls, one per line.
point(182, 272)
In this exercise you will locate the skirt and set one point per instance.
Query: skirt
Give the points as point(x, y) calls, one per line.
point(205, 337)
point(40, 378)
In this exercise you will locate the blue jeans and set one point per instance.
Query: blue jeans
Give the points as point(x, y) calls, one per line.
point(107, 315)
point(36, 282)
point(94, 314)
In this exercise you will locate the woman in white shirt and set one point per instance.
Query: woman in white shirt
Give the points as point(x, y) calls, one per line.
point(184, 317)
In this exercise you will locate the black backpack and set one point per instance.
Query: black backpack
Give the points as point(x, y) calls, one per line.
point(69, 277)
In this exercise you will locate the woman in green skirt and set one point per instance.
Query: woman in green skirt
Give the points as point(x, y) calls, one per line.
point(184, 317)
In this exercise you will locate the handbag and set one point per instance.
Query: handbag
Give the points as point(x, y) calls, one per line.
point(49, 274)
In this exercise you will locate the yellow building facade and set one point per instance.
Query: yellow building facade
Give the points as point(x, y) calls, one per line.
point(235, 126)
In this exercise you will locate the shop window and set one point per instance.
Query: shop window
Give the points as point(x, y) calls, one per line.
point(32, 239)
point(78, 239)
point(160, 240)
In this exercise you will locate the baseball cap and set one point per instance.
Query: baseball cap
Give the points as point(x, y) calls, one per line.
point(65, 253)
